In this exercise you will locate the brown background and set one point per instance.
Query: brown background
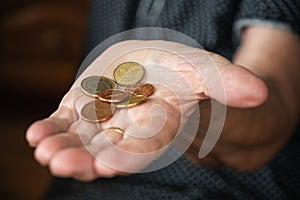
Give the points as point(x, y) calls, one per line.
point(40, 50)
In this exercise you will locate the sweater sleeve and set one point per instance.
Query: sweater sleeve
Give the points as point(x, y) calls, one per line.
point(283, 14)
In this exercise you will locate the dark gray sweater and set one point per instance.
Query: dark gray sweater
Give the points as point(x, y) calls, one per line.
point(212, 23)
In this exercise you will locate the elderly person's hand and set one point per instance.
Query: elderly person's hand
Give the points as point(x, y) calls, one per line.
point(183, 75)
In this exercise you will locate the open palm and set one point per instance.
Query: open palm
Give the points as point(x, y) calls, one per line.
point(72, 147)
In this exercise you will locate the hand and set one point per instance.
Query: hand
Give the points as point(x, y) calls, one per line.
point(252, 136)
point(71, 147)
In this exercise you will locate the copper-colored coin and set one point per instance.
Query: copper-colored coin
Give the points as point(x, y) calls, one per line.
point(92, 85)
point(145, 89)
point(113, 95)
point(97, 111)
point(129, 73)
point(133, 101)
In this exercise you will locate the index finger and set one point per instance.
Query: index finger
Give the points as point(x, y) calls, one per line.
point(58, 122)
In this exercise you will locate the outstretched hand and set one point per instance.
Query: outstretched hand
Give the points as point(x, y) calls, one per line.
point(72, 147)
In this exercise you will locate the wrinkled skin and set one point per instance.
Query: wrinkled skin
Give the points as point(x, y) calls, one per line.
point(252, 131)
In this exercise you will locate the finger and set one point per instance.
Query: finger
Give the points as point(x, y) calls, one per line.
point(125, 157)
point(52, 145)
point(100, 144)
point(58, 122)
point(132, 154)
point(85, 130)
point(109, 132)
point(73, 162)
point(105, 139)
point(229, 84)
point(242, 88)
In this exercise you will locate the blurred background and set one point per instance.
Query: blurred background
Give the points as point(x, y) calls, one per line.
point(41, 44)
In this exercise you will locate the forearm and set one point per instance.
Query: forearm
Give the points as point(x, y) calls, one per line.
point(274, 55)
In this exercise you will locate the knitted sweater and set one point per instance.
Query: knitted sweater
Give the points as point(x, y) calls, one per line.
point(214, 24)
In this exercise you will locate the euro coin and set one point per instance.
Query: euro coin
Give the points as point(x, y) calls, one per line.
point(133, 101)
point(129, 73)
point(92, 85)
point(114, 129)
point(97, 111)
point(112, 136)
point(145, 89)
point(113, 95)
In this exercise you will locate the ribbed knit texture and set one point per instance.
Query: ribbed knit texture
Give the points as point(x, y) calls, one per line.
point(279, 180)
point(208, 22)
point(211, 23)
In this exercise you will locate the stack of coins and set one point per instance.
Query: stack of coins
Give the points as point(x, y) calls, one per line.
point(108, 97)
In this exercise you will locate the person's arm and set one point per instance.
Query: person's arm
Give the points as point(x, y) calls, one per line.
point(252, 136)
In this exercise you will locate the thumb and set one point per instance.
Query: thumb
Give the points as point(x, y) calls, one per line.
point(242, 88)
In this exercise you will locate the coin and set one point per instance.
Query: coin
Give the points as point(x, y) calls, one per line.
point(97, 111)
point(129, 73)
point(92, 85)
point(112, 135)
point(134, 100)
point(113, 95)
point(114, 129)
point(145, 89)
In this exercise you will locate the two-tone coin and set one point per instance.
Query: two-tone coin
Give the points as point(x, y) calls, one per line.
point(134, 100)
point(97, 111)
point(129, 73)
point(113, 95)
point(92, 85)
point(145, 89)
point(109, 98)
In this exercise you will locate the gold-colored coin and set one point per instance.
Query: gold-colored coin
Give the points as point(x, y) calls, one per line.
point(92, 85)
point(114, 129)
point(145, 89)
point(113, 134)
point(133, 101)
point(129, 73)
point(113, 95)
point(97, 111)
